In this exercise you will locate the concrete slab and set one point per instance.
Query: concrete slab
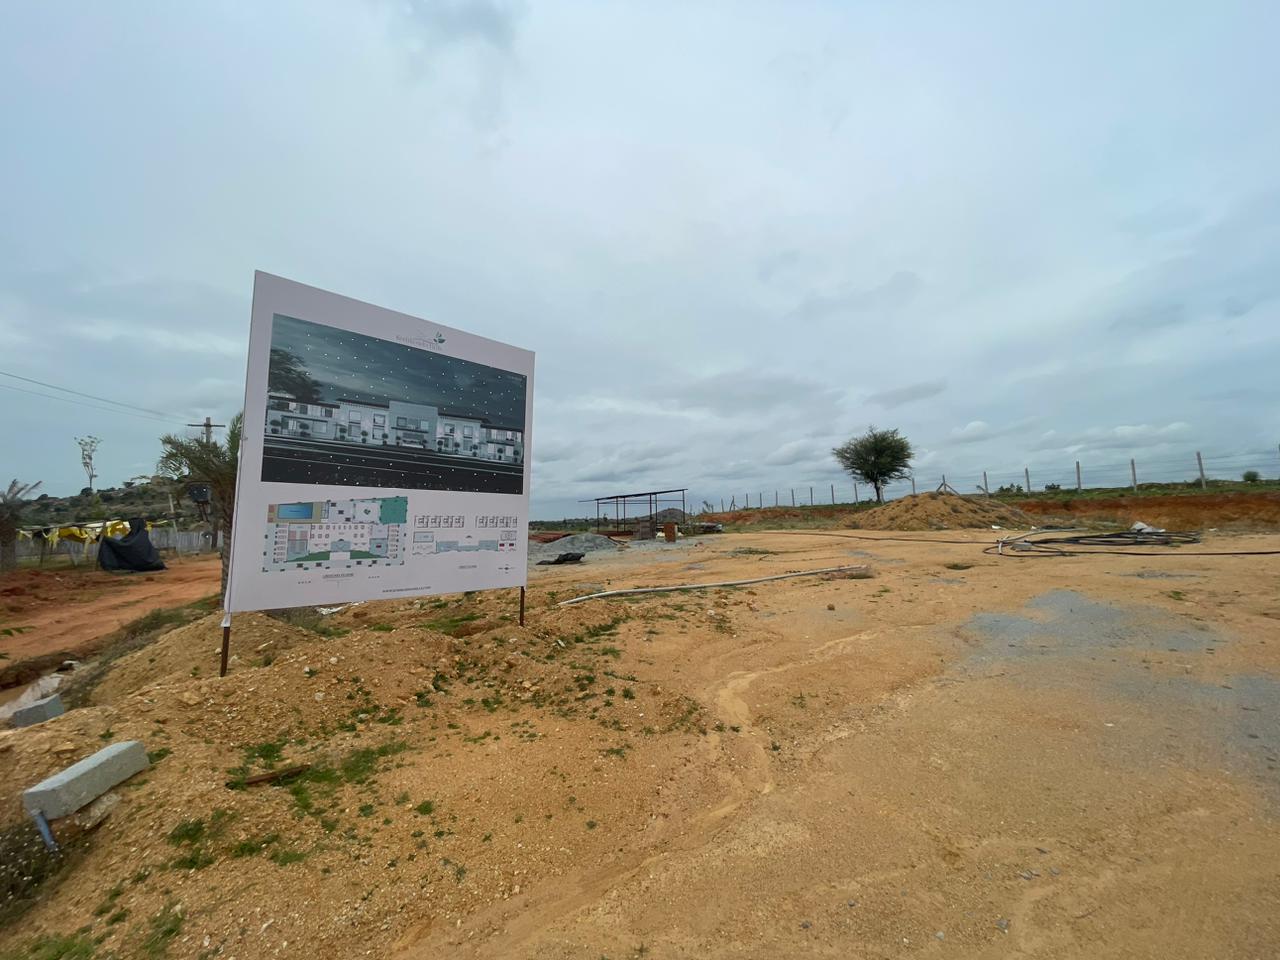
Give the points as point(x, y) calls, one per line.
point(38, 712)
point(70, 789)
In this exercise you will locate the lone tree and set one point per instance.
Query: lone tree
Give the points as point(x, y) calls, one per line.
point(13, 500)
point(197, 460)
point(88, 447)
point(877, 457)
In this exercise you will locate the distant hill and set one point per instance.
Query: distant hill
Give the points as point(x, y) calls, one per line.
point(149, 500)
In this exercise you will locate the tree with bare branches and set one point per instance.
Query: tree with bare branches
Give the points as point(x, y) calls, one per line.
point(88, 447)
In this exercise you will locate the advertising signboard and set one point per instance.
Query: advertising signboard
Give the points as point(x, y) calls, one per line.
point(383, 456)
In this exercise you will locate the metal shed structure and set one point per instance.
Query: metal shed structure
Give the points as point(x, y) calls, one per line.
point(650, 500)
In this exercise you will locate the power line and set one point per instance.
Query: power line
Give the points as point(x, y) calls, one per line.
point(78, 393)
point(91, 406)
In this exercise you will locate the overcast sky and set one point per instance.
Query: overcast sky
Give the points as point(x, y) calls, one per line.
point(735, 234)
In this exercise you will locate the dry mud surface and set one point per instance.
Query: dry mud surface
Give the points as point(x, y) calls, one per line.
point(965, 756)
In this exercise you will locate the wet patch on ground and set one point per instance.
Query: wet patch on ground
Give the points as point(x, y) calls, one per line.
point(1137, 662)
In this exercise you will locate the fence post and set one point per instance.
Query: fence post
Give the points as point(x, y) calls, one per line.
point(775, 498)
point(760, 500)
point(985, 489)
point(1026, 475)
point(793, 496)
point(1078, 487)
point(811, 496)
point(1133, 474)
point(1200, 464)
point(722, 504)
point(833, 494)
point(913, 484)
point(856, 499)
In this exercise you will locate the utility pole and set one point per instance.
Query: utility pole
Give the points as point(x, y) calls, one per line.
point(207, 426)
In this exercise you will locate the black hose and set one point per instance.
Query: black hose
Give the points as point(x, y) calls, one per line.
point(1106, 543)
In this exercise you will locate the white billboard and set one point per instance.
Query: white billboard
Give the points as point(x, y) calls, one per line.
point(383, 456)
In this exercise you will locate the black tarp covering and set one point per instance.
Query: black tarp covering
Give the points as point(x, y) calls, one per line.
point(132, 552)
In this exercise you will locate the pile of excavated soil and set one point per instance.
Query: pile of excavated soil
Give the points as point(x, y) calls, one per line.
point(942, 511)
point(456, 758)
point(194, 651)
point(577, 543)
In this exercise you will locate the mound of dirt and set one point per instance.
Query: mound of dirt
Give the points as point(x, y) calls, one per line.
point(942, 511)
point(577, 543)
point(433, 730)
point(194, 650)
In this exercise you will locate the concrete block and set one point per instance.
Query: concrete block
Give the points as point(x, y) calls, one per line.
point(38, 712)
point(69, 790)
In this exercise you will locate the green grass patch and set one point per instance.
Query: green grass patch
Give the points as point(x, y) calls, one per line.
point(359, 766)
point(161, 930)
point(451, 624)
point(187, 832)
point(54, 947)
point(254, 846)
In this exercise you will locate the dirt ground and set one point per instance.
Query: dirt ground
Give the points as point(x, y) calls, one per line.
point(69, 608)
point(965, 756)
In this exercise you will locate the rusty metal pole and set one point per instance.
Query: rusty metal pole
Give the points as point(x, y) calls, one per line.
point(522, 606)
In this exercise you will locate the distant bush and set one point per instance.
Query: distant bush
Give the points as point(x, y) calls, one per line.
point(1251, 476)
point(1010, 488)
point(1051, 487)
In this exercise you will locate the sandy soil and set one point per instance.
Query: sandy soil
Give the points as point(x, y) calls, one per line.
point(68, 609)
point(964, 756)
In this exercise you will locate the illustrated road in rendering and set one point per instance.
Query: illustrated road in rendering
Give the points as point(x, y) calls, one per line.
point(291, 460)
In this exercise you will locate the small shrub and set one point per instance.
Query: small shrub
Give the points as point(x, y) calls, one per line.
point(188, 832)
point(1251, 476)
point(54, 947)
point(164, 926)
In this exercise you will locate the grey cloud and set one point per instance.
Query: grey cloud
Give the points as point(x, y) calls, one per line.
point(452, 21)
point(777, 263)
point(902, 395)
point(893, 294)
point(1227, 270)
point(744, 391)
point(977, 431)
point(797, 451)
point(1162, 218)
point(1128, 437)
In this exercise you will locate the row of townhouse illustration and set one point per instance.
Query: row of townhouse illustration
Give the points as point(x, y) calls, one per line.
point(412, 425)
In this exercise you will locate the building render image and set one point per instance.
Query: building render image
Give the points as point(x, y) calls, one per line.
point(408, 425)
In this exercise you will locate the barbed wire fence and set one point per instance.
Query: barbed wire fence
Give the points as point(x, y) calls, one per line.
point(1196, 468)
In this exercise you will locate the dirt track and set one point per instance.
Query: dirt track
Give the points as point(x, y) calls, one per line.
point(68, 609)
point(1040, 758)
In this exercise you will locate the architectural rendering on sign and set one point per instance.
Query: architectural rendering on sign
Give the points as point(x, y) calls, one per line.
point(383, 456)
point(349, 409)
